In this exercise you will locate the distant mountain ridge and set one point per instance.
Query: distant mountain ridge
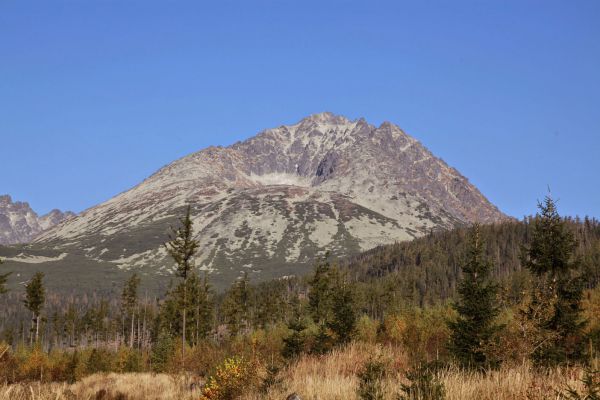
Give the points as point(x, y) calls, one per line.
point(270, 204)
point(20, 224)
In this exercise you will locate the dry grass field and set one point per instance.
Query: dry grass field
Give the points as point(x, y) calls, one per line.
point(106, 387)
point(333, 377)
point(330, 377)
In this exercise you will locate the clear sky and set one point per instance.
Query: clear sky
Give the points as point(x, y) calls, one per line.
point(97, 95)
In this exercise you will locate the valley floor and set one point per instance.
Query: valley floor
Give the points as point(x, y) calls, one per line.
point(329, 377)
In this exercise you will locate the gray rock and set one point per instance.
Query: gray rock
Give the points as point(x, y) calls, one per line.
point(270, 204)
point(20, 224)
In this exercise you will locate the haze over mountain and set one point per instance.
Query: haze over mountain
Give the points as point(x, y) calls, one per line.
point(20, 224)
point(267, 205)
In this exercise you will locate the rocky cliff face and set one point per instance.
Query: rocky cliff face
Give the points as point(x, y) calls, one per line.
point(270, 204)
point(20, 224)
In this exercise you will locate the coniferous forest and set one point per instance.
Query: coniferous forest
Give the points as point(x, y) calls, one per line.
point(473, 300)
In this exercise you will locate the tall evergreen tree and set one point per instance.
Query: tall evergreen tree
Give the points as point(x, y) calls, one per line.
point(331, 306)
point(182, 247)
point(342, 321)
point(319, 295)
point(35, 296)
point(558, 289)
point(169, 316)
point(129, 302)
point(200, 307)
point(477, 308)
point(161, 352)
point(206, 309)
point(3, 279)
point(236, 306)
point(293, 345)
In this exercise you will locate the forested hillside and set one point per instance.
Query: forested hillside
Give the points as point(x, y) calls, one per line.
point(426, 270)
point(422, 272)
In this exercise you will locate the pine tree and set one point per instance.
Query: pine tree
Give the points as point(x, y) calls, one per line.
point(182, 247)
point(205, 309)
point(555, 305)
point(35, 298)
point(342, 321)
point(323, 342)
point(370, 380)
point(319, 295)
point(161, 352)
point(3, 279)
point(200, 307)
point(236, 306)
point(129, 302)
point(71, 373)
point(473, 331)
point(293, 345)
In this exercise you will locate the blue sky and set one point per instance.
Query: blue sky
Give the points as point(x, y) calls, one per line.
point(97, 95)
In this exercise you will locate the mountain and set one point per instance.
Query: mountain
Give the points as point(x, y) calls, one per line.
point(268, 205)
point(20, 224)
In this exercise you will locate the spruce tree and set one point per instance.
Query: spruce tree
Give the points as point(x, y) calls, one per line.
point(342, 321)
point(35, 298)
point(161, 352)
point(182, 247)
point(555, 305)
point(200, 307)
point(323, 342)
point(319, 295)
point(205, 308)
point(236, 306)
point(293, 345)
point(129, 302)
point(169, 317)
point(319, 304)
point(3, 279)
point(474, 328)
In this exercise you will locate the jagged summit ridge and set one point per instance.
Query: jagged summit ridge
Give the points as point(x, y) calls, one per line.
point(271, 203)
point(20, 224)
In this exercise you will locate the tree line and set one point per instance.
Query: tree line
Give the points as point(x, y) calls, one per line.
point(471, 295)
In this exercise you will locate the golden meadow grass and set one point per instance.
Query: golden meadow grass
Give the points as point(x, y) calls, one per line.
point(328, 377)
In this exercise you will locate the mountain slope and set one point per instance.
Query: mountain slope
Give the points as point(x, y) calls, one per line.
point(20, 224)
point(270, 204)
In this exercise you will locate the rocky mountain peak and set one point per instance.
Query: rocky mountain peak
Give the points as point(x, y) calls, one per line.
point(326, 118)
point(270, 204)
point(20, 224)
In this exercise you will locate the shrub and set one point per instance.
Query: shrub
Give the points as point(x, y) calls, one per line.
point(100, 360)
point(272, 380)
point(8, 364)
point(591, 384)
point(366, 329)
point(71, 370)
point(423, 384)
point(229, 381)
point(34, 365)
point(66, 367)
point(370, 380)
point(423, 332)
point(133, 362)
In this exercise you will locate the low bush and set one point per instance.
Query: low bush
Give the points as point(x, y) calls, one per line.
point(230, 380)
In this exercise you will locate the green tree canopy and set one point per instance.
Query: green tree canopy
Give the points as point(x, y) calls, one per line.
point(477, 308)
point(550, 257)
